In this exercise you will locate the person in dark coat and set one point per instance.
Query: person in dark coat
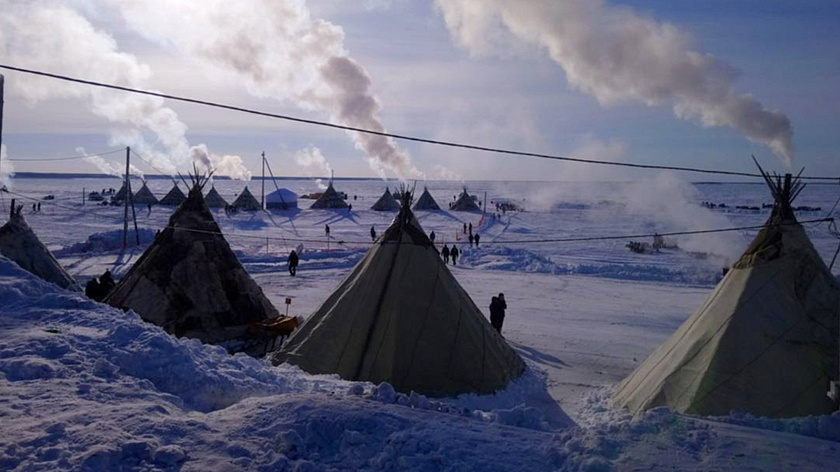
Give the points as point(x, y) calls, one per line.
point(454, 253)
point(372, 234)
point(445, 253)
point(472, 239)
point(432, 237)
point(497, 312)
point(106, 282)
point(293, 263)
point(327, 230)
point(477, 237)
point(470, 228)
point(465, 228)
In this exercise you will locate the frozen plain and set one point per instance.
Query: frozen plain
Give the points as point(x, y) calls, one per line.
point(84, 386)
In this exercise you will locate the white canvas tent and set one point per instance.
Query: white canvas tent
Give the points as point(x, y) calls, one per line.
point(281, 199)
point(402, 317)
point(764, 342)
point(20, 244)
point(386, 202)
point(426, 201)
point(246, 201)
point(190, 282)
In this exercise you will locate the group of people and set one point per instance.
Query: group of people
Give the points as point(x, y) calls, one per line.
point(450, 253)
point(98, 288)
point(36, 207)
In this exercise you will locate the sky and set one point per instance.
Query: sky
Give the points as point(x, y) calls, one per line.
point(674, 82)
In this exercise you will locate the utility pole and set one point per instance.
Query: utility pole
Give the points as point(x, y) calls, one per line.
point(2, 85)
point(125, 198)
point(262, 195)
point(134, 215)
point(83, 196)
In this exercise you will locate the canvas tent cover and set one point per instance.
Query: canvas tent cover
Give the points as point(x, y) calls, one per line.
point(402, 317)
point(465, 203)
point(764, 342)
point(214, 200)
point(20, 244)
point(426, 202)
point(281, 199)
point(246, 201)
point(386, 202)
point(190, 282)
point(174, 197)
point(329, 199)
point(144, 196)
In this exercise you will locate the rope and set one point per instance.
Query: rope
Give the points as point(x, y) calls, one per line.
point(150, 164)
point(402, 137)
point(68, 158)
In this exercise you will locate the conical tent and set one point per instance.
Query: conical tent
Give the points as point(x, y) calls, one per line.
point(246, 201)
point(402, 317)
point(175, 197)
point(426, 202)
point(386, 202)
point(214, 200)
point(144, 196)
point(120, 195)
point(329, 199)
point(465, 203)
point(190, 282)
point(765, 342)
point(20, 244)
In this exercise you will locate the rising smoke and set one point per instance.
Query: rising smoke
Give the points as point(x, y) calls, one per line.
point(314, 164)
point(281, 53)
point(617, 55)
point(50, 35)
point(7, 169)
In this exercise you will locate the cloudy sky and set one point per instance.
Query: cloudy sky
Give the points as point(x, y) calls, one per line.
point(677, 82)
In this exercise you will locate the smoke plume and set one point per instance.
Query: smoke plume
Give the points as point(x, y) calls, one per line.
point(227, 164)
point(7, 169)
point(617, 56)
point(279, 52)
point(50, 35)
point(110, 168)
point(313, 161)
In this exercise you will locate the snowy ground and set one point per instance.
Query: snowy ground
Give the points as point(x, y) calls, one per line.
point(84, 385)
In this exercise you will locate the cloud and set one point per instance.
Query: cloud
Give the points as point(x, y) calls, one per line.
point(617, 55)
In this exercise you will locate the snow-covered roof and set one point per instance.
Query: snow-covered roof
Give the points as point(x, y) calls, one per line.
point(282, 195)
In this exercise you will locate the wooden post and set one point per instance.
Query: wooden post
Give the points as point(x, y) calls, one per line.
point(2, 85)
point(83, 196)
point(125, 197)
point(12, 211)
point(262, 195)
point(134, 217)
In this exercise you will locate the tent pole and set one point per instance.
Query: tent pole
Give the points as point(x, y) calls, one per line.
point(2, 86)
point(134, 217)
point(125, 198)
point(262, 195)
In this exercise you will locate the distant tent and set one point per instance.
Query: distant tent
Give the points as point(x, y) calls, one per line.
point(386, 202)
point(426, 202)
point(120, 195)
point(465, 203)
point(246, 201)
point(144, 196)
point(402, 317)
point(214, 200)
point(281, 199)
point(190, 282)
point(329, 199)
point(764, 342)
point(20, 244)
point(175, 197)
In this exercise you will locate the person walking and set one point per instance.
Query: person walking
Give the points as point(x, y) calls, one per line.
point(471, 228)
point(293, 262)
point(372, 234)
point(327, 230)
point(477, 237)
point(432, 237)
point(471, 238)
point(465, 228)
point(445, 253)
point(497, 312)
point(454, 253)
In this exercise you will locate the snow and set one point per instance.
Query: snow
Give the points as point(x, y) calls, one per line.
point(87, 387)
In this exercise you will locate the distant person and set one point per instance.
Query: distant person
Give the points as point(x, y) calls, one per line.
point(471, 239)
point(350, 208)
point(454, 254)
point(293, 263)
point(445, 253)
point(477, 237)
point(497, 312)
point(470, 228)
point(372, 234)
point(465, 228)
point(327, 230)
point(34, 208)
point(149, 206)
point(39, 207)
point(432, 237)
point(354, 197)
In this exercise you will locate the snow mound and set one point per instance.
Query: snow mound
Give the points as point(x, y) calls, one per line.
point(107, 241)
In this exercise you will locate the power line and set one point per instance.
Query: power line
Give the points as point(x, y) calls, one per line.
point(69, 158)
point(391, 135)
point(150, 164)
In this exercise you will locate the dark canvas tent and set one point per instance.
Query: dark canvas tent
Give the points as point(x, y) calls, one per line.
point(386, 202)
point(465, 203)
point(144, 196)
point(214, 200)
point(426, 202)
point(120, 195)
point(329, 199)
point(175, 197)
point(764, 342)
point(402, 317)
point(246, 201)
point(190, 282)
point(20, 244)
